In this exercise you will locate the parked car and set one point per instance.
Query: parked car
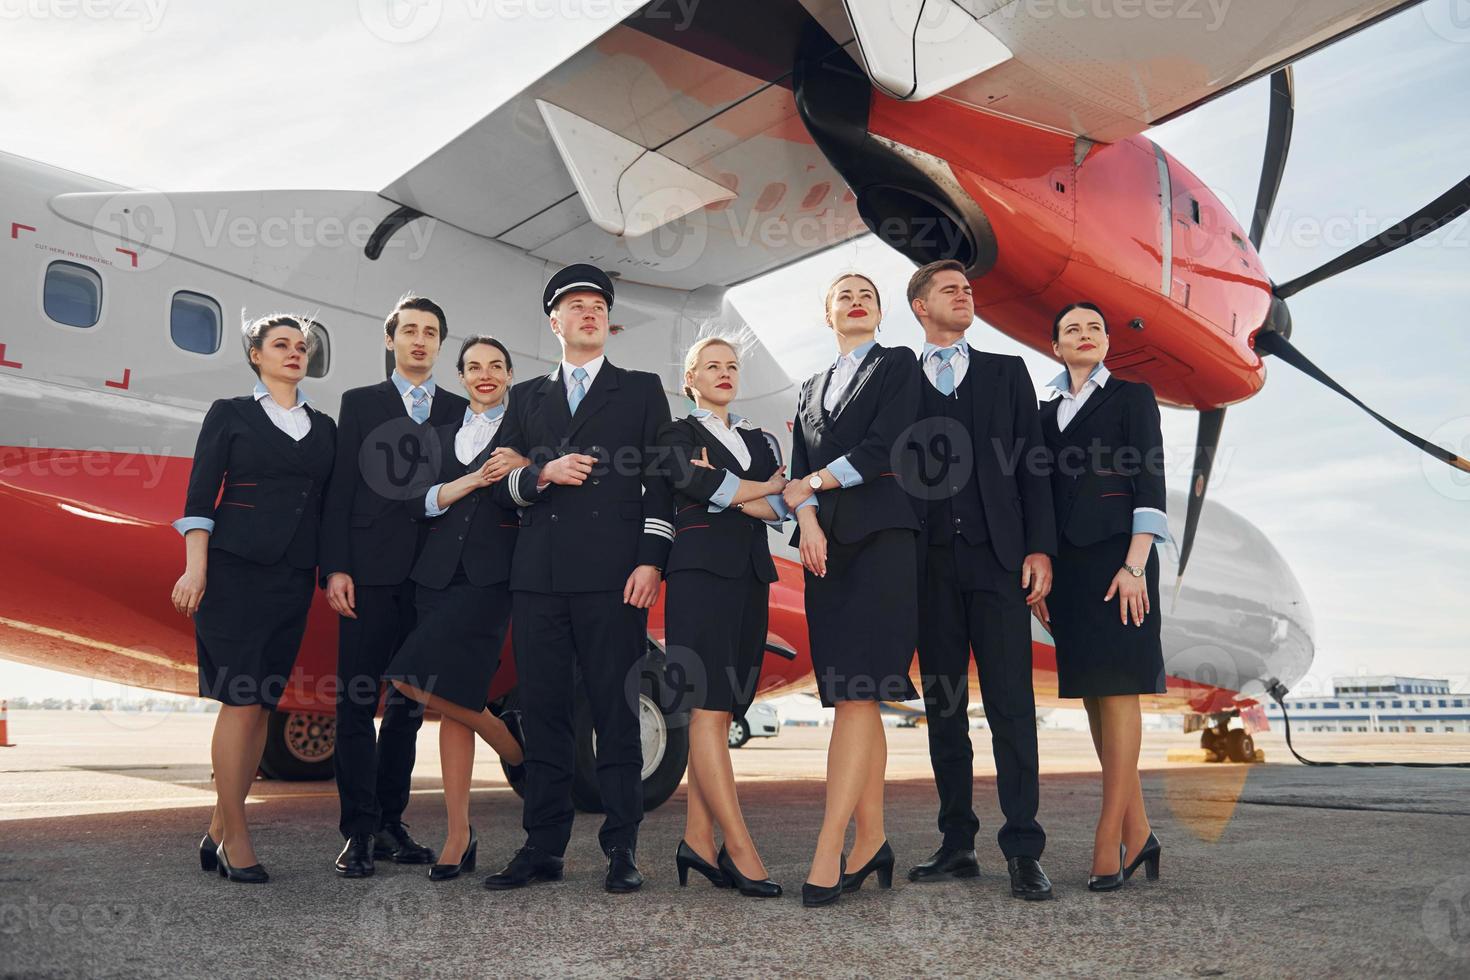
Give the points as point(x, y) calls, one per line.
point(761, 721)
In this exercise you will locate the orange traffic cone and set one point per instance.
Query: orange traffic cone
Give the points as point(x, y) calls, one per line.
point(5, 742)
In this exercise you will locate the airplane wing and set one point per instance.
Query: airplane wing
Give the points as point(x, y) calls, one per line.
point(670, 151)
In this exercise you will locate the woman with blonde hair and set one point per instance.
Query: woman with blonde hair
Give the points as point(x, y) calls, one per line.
point(250, 527)
point(727, 479)
point(856, 529)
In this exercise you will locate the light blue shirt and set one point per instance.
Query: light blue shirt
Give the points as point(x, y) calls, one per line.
point(1146, 520)
point(724, 496)
point(404, 386)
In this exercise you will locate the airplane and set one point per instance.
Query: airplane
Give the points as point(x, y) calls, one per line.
point(686, 154)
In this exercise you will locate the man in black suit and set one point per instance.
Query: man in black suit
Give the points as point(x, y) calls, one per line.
point(387, 454)
point(596, 526)
point(987, 535)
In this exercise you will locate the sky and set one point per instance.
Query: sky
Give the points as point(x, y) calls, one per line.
point(226, 95)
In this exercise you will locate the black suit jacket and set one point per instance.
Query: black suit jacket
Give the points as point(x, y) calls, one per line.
point(1109, 460)
point(271, 504)
point(588, 538)
point(365, 533)
point(1009, 453)
point(878, 407)
point(728, 543)
point(475, 531)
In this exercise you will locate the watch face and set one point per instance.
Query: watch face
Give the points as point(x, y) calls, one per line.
point(815, 482)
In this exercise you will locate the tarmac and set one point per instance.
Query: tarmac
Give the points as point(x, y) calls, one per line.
point(1268, 870)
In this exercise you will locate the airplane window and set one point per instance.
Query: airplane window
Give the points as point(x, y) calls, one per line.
point(1194, 210)
point(73, 294)
point(194, 322)
point(321, 355)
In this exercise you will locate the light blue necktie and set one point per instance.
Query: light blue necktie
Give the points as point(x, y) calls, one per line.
point(579, 391)
point(420, 409)
point(944, 377)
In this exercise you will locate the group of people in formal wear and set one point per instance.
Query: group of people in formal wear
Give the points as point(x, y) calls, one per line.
point(937, 509)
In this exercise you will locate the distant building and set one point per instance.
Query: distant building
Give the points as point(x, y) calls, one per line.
point(1380, 704)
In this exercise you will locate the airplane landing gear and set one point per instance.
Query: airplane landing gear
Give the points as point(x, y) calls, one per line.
point(1226, 743)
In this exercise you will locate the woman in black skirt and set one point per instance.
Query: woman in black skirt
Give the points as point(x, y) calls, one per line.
point(727, 480)
point(1108, 489)
point(856, 530)
point(256, 550)
point(463, 594)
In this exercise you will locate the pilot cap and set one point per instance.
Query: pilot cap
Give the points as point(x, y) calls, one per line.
point(577, 278)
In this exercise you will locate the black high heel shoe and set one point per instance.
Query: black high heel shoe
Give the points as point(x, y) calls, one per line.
point(755, 888)
point(881, 862)
point(444, 872)
point(1148, 855)
point(814, 895)
point(687, 857)
point(253, 875)
point(207, 859)
point(1108, 883)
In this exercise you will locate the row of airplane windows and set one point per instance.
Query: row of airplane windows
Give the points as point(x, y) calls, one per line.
point(1430, 729)
point(1411, 703)
point(73, 297)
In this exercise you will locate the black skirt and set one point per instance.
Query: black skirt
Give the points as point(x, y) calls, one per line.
point(248, 628)
point(862, 619)
point(454, 648)
point(715, 638)
point(1097, 655)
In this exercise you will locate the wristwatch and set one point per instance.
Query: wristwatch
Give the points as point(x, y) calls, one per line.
point(739, 506)
point(1135, 570)
point(814, 481)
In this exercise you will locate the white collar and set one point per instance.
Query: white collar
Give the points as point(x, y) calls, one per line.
point(591, 367)
point(485, 417)
point(856, 355)
point(961, 348)
point(404, 385)
point(262, 392)
point(1062, 383)
point(736, 421)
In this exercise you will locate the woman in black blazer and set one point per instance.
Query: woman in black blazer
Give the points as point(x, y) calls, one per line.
point(727, 479)
point(256, 550)
point(1107, 458)
point(856, 529)
point(463, 594)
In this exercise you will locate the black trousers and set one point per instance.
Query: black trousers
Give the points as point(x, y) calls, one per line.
point(995, 623)
point(374, 769)
point(554, 636)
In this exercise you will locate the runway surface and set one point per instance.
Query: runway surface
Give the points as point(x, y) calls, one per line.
point(1271, 870)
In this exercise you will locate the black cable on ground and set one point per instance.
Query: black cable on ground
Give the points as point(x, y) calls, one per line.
point(1278, 694)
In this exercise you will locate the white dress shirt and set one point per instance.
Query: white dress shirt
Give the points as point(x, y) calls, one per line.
point(959, 363)
point(294, 421)
point(843, 372)
point(591, 367)
point(1071, 404)
point(476, 432)
point(726, 434)
point(405, 391)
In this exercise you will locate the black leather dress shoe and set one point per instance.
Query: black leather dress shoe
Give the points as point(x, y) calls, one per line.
point(253, 875)
point(394, 843)
point(530, 864)
point(1028, 881)
point(356, 859)
point(209, 862)
point(947, 862)
point(622, 873)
